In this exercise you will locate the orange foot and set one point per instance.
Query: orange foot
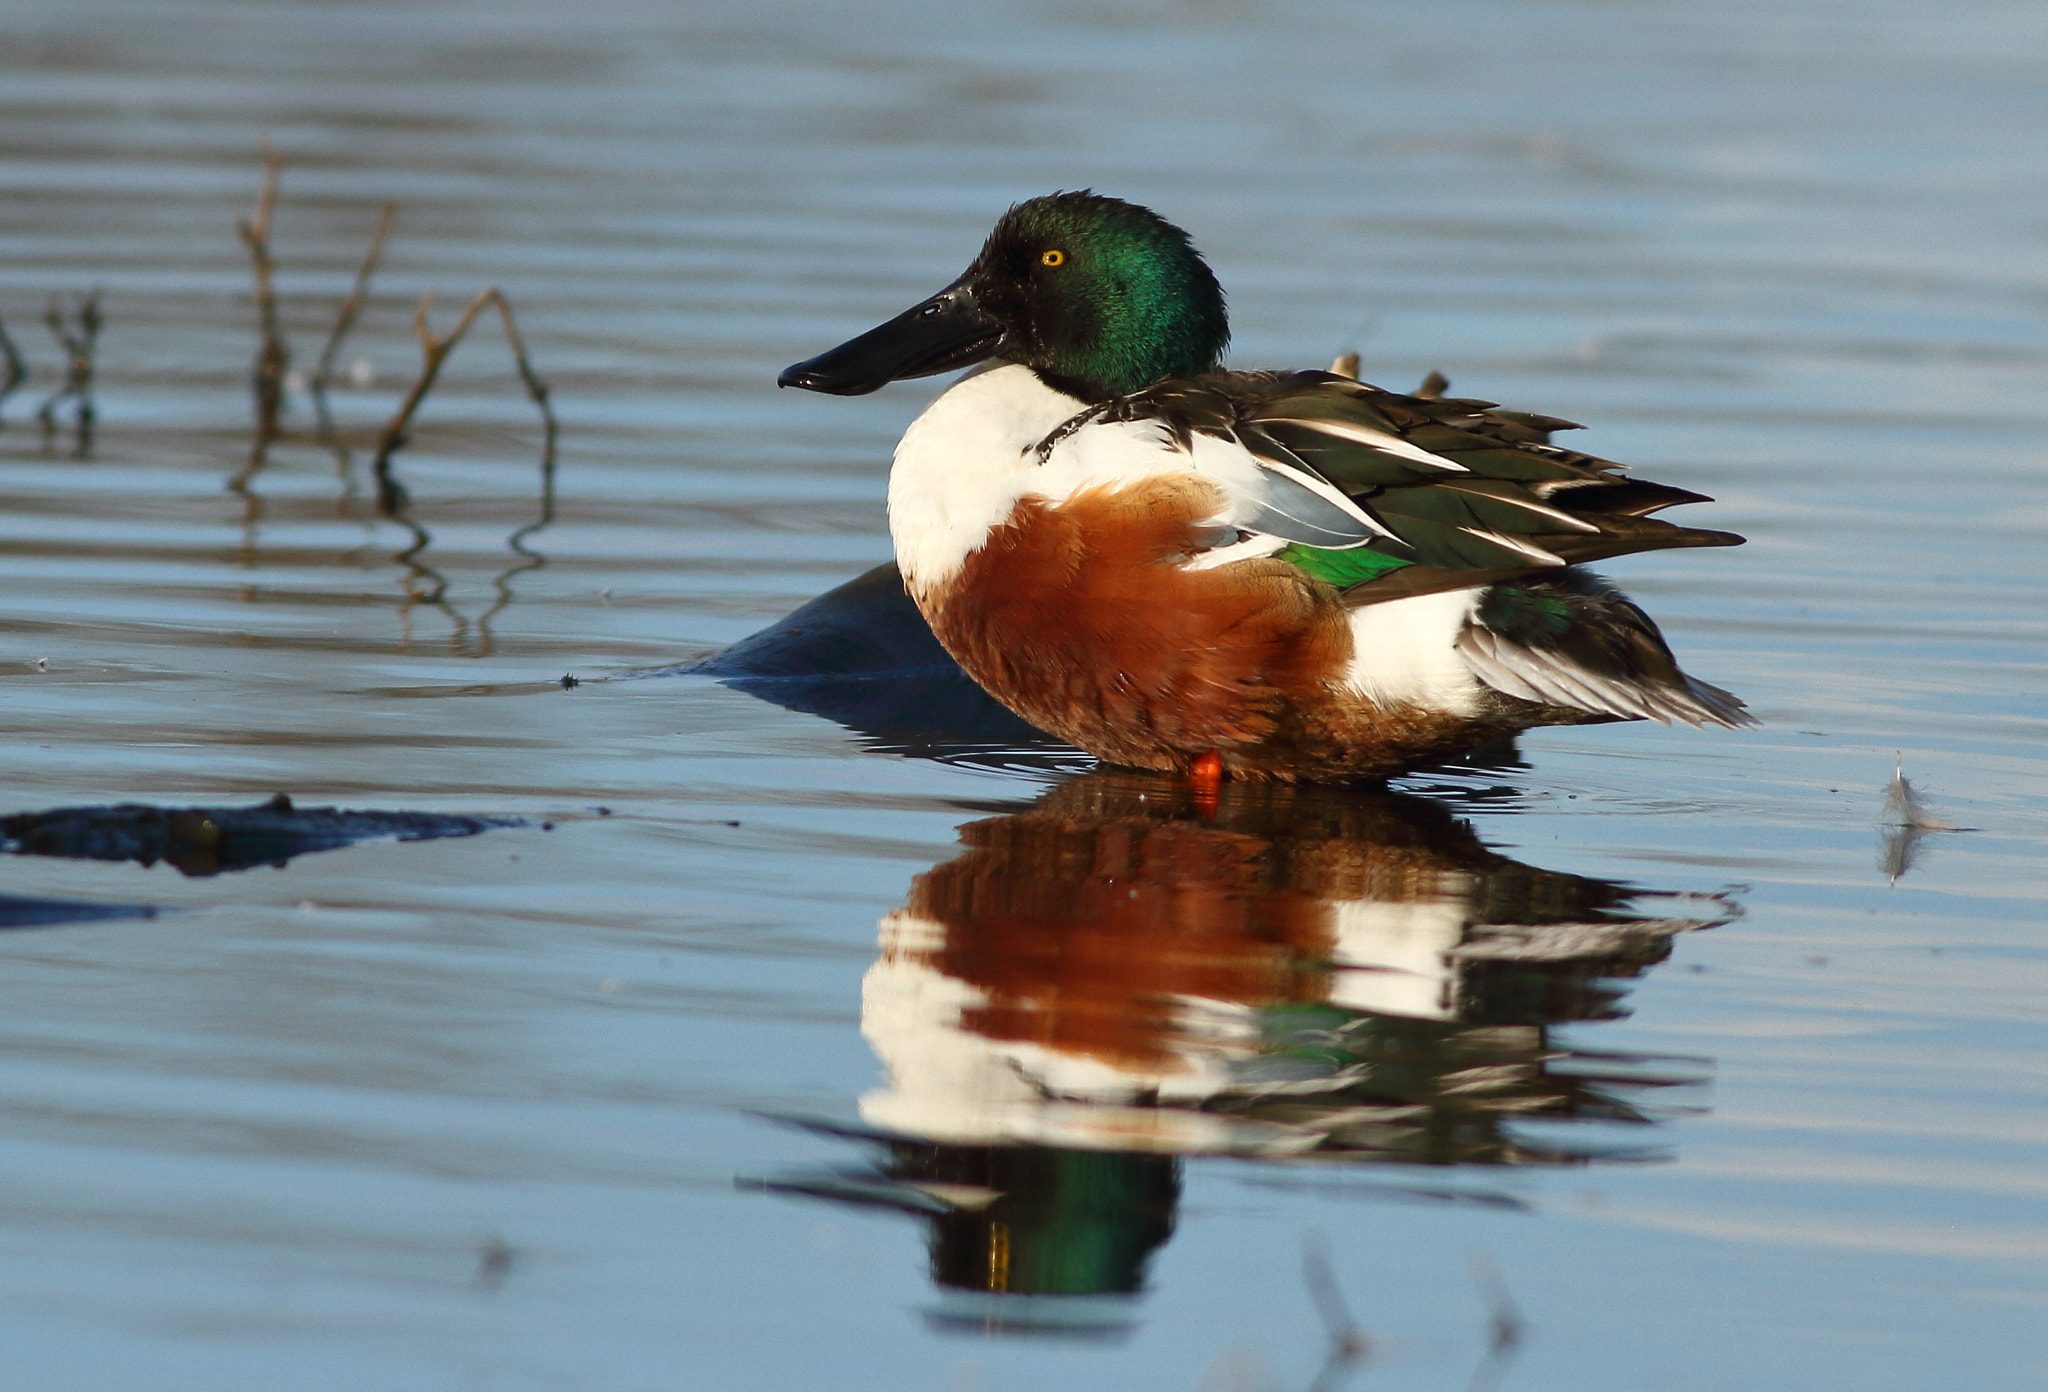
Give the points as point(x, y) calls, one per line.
point(1206, 774)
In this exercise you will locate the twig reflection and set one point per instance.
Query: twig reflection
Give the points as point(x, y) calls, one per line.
point(502, 583)
point(428, 587)
point(1503, 1324)
point(344, 321)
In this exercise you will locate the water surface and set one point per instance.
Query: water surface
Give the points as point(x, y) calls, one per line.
point(698, 1079)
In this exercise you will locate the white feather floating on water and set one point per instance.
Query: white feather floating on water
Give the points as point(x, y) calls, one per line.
point(1905, 820)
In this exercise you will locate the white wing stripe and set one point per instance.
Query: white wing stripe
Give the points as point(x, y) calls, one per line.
point(1548, 514)
point(1381, 440)
point(1516, 544)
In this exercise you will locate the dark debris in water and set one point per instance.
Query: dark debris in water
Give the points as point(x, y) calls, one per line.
point(209, 840)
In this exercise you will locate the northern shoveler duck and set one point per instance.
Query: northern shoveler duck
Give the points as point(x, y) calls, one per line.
point(1287, 575)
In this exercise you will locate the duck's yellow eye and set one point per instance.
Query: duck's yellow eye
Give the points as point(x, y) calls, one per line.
point(1053, 258)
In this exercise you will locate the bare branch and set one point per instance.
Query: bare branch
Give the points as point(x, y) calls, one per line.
point(272, 356)
point(536, 390)
point(434, 352)
point(345, 319)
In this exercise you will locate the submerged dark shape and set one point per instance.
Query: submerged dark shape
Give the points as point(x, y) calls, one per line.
point(24, 911)
point(862, 655)
point(865, 628)
point(209, 840)
point(1324, 979)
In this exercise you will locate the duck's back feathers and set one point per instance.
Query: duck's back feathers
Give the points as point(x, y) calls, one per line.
point(1447, 492)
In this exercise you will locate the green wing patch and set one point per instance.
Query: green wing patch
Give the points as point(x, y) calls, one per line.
point(1343, 569)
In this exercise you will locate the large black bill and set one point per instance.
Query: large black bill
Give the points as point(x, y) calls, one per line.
point(947, 331)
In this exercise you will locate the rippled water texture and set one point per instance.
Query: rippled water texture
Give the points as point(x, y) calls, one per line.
point(773, 1050)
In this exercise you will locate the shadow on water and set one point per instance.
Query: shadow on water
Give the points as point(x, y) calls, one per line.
point(1320, 979)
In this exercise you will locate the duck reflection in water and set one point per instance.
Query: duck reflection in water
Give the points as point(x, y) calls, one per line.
point(1121, 976)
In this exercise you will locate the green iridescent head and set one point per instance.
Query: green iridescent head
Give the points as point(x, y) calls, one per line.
point(1100, 297)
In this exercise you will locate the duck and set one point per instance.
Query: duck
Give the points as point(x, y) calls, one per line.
point(1276, 575)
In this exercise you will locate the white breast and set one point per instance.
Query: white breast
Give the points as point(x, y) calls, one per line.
point(964, 464)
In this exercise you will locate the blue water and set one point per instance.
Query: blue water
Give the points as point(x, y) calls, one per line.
point(496, 1113)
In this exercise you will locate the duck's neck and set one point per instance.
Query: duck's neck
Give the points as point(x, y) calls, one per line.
point(1107, 370)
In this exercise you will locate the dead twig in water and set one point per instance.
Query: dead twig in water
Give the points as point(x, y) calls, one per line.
point(17, 370)
point(345, 319)
point(434, 352)
point(1503, 1323)
point(272, 356)
point(1350, 1345)
point(79, 349)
